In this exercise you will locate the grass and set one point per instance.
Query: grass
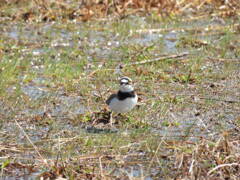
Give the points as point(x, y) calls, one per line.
point(186, 125)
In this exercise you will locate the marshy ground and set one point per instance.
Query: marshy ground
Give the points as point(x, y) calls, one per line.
point(58, 65)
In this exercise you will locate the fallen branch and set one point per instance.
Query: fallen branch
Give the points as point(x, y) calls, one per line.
point(159, 59)
point(204, 98)
point(36, 149)
point(220, 166)
point(223, 59)
point(200, 29)
point(223, 100)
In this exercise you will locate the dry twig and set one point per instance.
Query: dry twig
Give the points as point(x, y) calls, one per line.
point(35, 148)
point(221, 166)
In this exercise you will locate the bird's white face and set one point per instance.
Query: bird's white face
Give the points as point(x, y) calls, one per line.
point(126, 84)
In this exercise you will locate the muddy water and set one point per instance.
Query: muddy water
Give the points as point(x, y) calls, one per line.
point(97, 43)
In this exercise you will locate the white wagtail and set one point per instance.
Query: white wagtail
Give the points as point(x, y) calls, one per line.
point(124, 100)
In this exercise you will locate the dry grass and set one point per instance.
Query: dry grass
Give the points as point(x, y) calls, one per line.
point(171, 159)
point(43, 10)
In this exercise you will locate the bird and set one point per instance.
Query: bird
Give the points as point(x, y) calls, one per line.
point(124, 100)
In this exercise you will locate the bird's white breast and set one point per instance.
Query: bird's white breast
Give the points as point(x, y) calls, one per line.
point(123, 106)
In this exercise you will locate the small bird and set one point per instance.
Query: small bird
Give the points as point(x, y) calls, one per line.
point(124, 100)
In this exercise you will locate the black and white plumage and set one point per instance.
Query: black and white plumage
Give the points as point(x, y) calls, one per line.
point(125, 99)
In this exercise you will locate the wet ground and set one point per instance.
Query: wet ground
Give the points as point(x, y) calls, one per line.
point(55, 78)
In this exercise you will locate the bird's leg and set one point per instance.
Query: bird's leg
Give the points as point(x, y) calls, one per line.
point(111, 118)
point(118, 115)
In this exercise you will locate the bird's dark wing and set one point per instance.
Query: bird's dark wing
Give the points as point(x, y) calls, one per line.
point(110, 98)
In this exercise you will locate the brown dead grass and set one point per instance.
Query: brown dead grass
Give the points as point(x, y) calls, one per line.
point(43, 10)
point(204, 159)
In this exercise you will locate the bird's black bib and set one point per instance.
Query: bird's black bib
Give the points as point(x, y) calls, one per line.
point(124, 95)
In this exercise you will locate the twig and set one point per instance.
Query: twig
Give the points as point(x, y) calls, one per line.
point(201, 29)
point(89, 157)
point(118, 69)
point(205, 98)
point(58, 154)
point(159, 59)
point(13, 149)
point(181, 162)
point(220, 166)
point(191, 167)
point(36, 149)
point(223, 100)
point(223, 59)
point(155, 154)
point(101, 168)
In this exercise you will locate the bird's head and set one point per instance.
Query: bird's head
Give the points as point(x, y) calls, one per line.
point(126, 84)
